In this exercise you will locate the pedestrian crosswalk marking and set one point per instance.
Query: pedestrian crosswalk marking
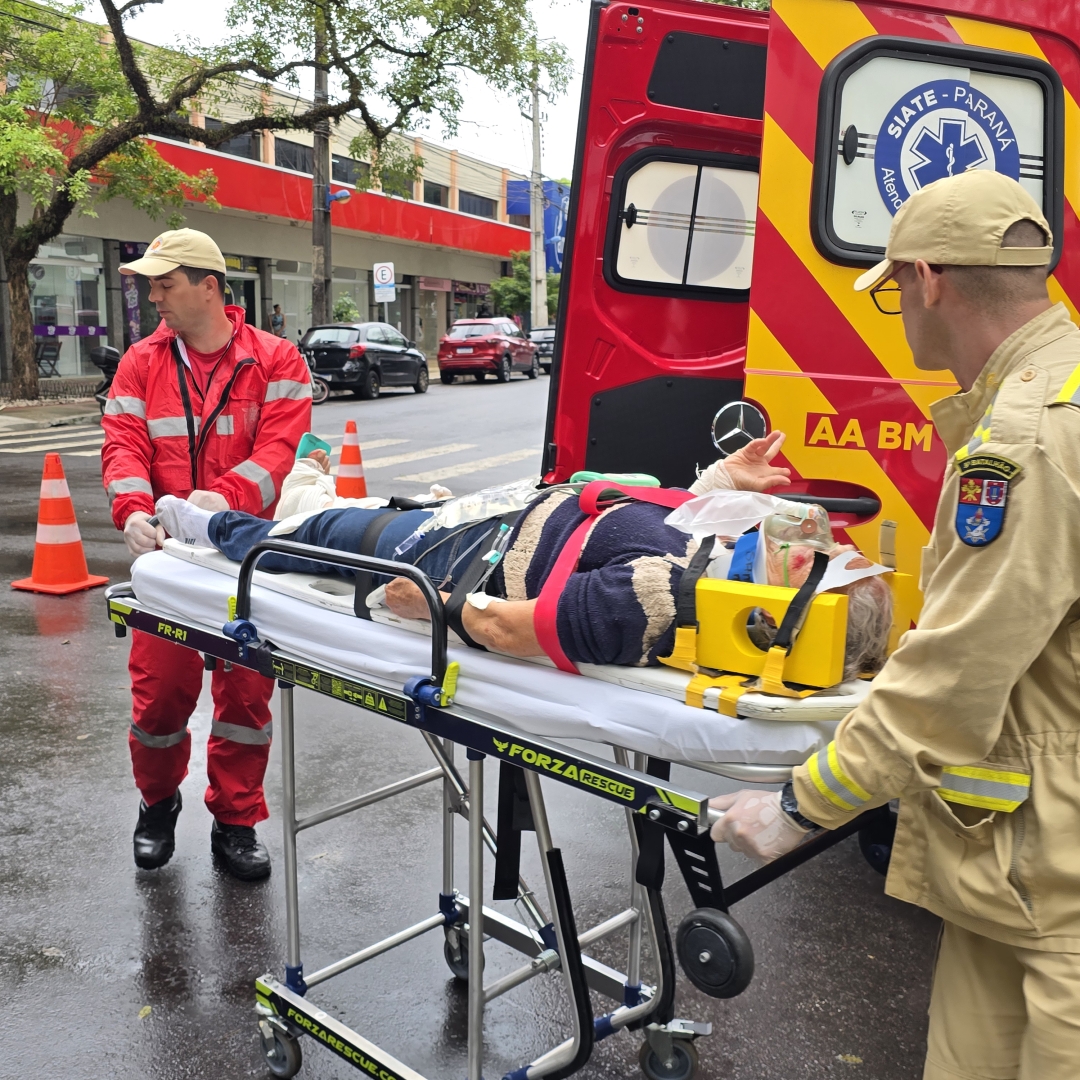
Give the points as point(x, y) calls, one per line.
point(465, 467)
point(66, 444)
point(371, 444)
point(414, 455)
point(30, 440)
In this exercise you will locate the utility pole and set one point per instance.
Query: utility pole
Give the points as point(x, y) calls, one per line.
point(538, 259)
point(321, 264)
point(6, 373)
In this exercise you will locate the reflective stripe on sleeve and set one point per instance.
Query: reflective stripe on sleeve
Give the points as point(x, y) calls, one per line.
point(253, 471)
point(159, 742)
point(129, 406)
point(991, 789)
point(833, 783)
point(287, 388)
point(238, 734)
point(224, 425)
point(980, 435)
point(126, 485)
point(1070, 392)
point(165, 426)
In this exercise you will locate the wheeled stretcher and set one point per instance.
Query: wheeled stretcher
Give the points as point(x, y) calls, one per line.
point(301, 630)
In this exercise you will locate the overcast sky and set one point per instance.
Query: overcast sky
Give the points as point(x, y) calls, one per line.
point(491, 127)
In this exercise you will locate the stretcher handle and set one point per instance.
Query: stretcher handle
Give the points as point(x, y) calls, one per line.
point(357, 562)
point(860, 506)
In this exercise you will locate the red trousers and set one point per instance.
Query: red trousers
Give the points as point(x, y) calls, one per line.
point(166, 680)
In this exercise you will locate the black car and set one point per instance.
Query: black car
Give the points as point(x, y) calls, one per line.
point(544, 336)
point(363, 358)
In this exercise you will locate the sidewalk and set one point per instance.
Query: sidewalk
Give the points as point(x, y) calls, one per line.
point(16, 418)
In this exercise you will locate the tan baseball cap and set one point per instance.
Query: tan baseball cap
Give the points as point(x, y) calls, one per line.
point(177, 247)
point(959, 221)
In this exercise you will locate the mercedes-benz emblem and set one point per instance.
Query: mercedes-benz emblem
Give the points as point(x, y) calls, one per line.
point(736, 424)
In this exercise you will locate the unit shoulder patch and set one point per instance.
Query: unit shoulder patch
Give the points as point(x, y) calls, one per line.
point(983, 495)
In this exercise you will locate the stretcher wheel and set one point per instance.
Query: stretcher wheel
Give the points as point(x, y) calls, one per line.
point(715, 953)
point(456, 952)
point(683, 1064)
point(876, 840)
point(283, 1054)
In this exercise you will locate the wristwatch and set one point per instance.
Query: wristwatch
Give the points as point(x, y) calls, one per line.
point(790, 805)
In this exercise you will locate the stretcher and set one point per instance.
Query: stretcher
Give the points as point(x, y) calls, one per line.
point(302, 630)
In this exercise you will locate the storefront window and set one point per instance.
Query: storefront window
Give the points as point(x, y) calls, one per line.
point(292, 290)
point(67, 302)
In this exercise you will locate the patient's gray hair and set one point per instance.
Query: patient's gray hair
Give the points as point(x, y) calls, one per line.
point(869, 622)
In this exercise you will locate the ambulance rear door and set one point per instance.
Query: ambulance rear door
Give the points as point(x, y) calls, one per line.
point(865, 104)
point(651, 328)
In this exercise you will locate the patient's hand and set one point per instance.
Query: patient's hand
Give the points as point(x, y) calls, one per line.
point(321, 458)
point(404, 599)
point(751, 468)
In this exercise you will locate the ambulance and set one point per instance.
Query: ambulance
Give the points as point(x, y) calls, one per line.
point(736, 171)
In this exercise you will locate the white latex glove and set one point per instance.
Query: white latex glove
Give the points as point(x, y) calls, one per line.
point(140, 536)
point(754, 824)
point(209, 500)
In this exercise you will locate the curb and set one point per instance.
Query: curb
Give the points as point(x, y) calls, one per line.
point(11, 424)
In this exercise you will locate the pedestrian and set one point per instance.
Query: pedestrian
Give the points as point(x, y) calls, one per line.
point(974, 722)
point(277, 322)
point(212, 409)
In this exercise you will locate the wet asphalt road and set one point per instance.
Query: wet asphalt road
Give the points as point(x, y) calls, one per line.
point(111, 971)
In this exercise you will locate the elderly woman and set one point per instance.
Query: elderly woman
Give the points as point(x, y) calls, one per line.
point(618, 607)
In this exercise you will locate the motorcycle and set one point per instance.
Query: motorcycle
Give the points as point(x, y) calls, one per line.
point(320, 388)
point(107, 359)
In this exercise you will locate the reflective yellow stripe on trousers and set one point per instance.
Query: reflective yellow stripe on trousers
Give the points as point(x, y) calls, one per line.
point(833, 783)
point(991, 789)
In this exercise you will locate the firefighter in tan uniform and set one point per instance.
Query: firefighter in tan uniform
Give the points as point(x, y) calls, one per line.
point(974, 722)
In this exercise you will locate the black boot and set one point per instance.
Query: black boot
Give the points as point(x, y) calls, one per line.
point(243, 853)
point(154, 834)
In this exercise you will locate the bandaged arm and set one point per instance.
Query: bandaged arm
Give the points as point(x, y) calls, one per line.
point(941, 698)
point(306, 488)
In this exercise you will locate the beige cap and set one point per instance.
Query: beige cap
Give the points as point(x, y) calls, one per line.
point(177, 247)
point(959, 221)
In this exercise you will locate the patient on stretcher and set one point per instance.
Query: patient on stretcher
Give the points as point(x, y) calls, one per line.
point(618, 607)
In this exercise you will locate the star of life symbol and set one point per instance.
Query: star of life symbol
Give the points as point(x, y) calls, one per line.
point(939, 129)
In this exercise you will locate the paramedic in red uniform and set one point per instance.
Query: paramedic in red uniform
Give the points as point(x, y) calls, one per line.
point(212, 409)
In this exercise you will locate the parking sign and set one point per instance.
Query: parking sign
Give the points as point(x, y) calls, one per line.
point(382, 275)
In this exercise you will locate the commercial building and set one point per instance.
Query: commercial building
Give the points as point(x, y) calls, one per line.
point(448, 237)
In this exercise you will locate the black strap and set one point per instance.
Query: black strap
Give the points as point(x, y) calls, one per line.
point(185, 397)
point(796, 612)
point(686, 604)
point(197, 440)
point(365, 579)
point(515, 817)
point(467, 582)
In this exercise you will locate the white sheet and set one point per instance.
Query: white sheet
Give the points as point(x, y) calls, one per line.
point(534, 699)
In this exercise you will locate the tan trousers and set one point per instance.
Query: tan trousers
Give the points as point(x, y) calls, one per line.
point(1001, 1012)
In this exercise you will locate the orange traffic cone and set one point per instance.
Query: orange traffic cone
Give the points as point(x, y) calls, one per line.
point(350, 482)
point(59, 562)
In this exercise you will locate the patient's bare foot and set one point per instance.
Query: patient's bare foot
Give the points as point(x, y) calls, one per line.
point(321, 458)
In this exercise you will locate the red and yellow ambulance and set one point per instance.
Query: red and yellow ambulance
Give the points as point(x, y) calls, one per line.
point(736, 171)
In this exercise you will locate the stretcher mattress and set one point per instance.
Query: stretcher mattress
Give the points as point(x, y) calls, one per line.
point(535, 699)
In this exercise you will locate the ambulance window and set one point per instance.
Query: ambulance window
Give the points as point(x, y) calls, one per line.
point(683, 224)
point(898, 114)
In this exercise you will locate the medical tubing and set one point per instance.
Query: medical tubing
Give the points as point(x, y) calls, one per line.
point(373, 565)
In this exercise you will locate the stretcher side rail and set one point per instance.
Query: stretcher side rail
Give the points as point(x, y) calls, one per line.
point(387, 567)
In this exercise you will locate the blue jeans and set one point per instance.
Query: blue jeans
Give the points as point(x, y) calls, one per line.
point(443, 554)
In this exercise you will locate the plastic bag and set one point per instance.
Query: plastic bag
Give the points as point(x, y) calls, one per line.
point(723, 513)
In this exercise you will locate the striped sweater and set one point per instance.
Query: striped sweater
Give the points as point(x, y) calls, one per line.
point(619, 605)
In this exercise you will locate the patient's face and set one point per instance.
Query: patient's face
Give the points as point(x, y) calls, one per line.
point(792, 537)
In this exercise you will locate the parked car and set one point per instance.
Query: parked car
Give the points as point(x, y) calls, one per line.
point(544, 336)
point(482, 347)
point(363, 358)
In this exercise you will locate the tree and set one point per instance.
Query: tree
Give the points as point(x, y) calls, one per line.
point(80, 99)
point(513, 295)
point(345, 309)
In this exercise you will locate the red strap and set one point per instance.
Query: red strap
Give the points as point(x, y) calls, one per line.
point(547, 604)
